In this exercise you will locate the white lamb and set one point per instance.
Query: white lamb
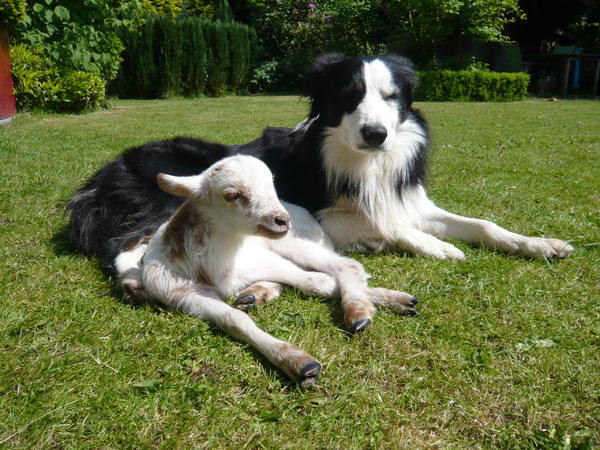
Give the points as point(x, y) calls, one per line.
point(232, 237)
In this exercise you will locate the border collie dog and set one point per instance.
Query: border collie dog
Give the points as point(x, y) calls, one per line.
point(357, 163)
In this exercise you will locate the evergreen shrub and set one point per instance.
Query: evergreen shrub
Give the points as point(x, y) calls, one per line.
point(219, 60)
point(185, 55)
point(193, 65)
point(473, 85)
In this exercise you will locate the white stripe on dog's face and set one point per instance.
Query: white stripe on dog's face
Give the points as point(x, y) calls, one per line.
point(372, 125)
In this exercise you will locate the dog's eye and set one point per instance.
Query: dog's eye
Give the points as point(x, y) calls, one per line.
point(231, 196)
point(392, 97)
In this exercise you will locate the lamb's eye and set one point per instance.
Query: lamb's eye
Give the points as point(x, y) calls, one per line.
point(231, 196)
point(392, 97)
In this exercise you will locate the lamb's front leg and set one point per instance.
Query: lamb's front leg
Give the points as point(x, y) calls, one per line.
point(295, 362)
point(205, 304)
point(276, 273)
point(357, 299)
point(258, 294)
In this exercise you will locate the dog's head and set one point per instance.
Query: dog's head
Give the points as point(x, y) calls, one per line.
point(362, 99)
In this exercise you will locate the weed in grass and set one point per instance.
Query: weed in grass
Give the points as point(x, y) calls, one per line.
point(504, 353)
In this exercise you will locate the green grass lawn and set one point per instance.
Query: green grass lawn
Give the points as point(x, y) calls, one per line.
point(505, 352)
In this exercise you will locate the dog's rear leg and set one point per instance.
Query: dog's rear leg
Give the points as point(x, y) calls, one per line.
point(129, 270)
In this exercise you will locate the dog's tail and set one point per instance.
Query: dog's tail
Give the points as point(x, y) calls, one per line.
point(122, 202)
point(115, 209)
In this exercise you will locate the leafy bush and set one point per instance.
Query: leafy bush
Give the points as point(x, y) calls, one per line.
point(77, 34)
point(185, 55)
point(279, 75)
point(474, 85)
point(41, 85)
point(78, 91)
point(11, 12)
point(267, 76)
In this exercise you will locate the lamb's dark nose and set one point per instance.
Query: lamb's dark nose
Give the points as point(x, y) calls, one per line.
point(374, 135)
point(282, 221)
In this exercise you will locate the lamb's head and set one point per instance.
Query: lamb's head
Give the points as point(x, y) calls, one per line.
point(236, 192)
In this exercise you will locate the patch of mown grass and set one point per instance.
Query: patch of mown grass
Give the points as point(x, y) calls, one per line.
point(504, 353)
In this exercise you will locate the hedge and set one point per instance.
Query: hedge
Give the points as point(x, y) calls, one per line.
point(475, 85)
point(41, 85)
point(187, 56)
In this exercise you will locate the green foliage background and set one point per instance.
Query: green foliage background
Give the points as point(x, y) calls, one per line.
point(12, 11)
point(96, 36)
point(76, 34)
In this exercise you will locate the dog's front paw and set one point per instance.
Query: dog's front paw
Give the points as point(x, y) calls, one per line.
point(537, 247)
point(444, 251)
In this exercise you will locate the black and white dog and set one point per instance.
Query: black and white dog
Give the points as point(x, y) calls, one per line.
point(357, 163)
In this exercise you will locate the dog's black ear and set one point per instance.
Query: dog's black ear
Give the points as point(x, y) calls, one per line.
point(405, 76)
point(315, 80)
point(329, 58)
point(403, 67)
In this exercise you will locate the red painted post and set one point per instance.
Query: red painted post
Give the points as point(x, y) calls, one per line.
point(8, 106)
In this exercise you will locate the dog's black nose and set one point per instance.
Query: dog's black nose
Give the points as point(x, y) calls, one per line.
point(374, 135)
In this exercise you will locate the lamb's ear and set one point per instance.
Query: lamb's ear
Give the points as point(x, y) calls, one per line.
point(193, 187)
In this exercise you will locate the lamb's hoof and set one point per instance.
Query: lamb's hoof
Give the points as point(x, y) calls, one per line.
point(135, 292)
point(411, 311)
point(245, 302)
point(310, 373)
point(360, 325)
point(408, 310)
